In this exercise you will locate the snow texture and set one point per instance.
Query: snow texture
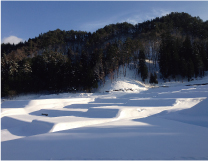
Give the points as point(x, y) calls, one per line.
point(130, 121)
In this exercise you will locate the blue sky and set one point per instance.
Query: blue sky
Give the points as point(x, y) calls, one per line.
point(21, 20)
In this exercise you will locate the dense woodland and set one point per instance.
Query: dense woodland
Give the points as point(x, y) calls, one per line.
point(67, 61)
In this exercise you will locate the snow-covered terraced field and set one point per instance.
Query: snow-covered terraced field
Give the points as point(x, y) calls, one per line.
point(143, 123)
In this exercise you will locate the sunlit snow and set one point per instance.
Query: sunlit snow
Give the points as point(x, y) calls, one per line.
point(125, 119)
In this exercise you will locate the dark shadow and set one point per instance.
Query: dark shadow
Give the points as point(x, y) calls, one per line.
point(8, 122)
point(115, 143)
point(15, 103)
point(33, 128)
point(91, 113)
point(113, 100)
point(87, 106)
point(151, 102)
point(125, 102)
point(99, 102)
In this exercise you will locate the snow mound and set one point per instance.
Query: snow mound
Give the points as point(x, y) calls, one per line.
point(126, 85)
point(122, 86)
point(124, 80)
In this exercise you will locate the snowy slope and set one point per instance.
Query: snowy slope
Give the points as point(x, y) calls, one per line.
point(130, 121)
point(125, 80)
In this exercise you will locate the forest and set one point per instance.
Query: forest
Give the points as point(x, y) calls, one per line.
point(70, 61)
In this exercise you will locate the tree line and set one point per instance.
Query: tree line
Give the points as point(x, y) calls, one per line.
point(182, 57)
point(55, 72)
point(59, 61)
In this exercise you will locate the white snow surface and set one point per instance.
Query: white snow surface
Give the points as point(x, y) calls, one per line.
point(131, 121)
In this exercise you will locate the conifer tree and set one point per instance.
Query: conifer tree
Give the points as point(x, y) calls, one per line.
point(165, 55)
point(190, 72)
point(142, 66)
point(187, 48)
point(183, 68)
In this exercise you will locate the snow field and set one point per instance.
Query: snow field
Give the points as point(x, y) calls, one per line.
point(142, 123)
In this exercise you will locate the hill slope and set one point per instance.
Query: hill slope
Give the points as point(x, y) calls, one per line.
point(62, 61)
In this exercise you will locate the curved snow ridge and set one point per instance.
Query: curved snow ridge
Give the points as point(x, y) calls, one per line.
point(88, 117)
point(41, 126)
point(12, 111)
point(182, 103)
point(35, 105)
point(71, 125)
point(123, 113)
point(130, 113)
point(126, 113)
point(59, 102)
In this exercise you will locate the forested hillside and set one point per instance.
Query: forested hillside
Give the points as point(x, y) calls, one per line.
point(59, 61)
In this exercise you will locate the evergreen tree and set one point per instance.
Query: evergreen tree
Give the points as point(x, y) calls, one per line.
point(186, 50)
point(142, 66)
point(175, 58)
point(190, 72)
point(184, 68)
point(198, 63)
point(165, 53)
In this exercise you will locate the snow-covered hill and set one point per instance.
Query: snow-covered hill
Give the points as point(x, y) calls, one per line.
point(124, 119)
